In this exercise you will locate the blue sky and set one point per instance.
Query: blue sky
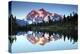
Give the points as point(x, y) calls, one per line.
point(21, 9)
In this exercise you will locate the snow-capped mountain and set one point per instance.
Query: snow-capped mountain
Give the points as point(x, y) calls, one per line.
point(40, 15)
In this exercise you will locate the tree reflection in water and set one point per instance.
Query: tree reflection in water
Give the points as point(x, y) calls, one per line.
point(11, 40)
point(42, 38)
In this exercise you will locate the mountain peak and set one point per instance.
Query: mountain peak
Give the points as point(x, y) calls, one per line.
point(42, 14)
point(38, 13)
point(42, 9)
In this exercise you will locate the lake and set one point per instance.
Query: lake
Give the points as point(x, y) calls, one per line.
point(32, 41)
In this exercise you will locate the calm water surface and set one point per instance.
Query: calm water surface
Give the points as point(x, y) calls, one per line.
point(40, 41)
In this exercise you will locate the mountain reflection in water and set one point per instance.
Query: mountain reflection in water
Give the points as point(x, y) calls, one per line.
point(41, 38)
point(35, 38)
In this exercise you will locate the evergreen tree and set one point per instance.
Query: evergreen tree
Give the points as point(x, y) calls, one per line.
point(64, 19)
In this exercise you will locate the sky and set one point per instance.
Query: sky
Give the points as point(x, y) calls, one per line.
point(21, 9)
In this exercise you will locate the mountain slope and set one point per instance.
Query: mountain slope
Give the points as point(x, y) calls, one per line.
point(21, 22)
